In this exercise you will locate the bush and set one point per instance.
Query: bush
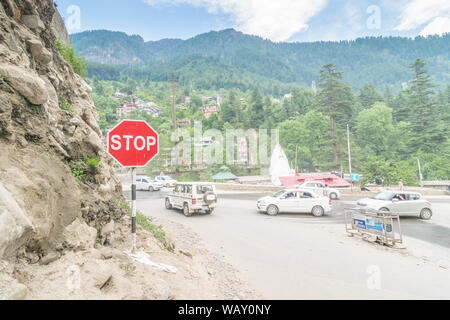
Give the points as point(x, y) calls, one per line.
point(67, 106)
point(93, 162)
point(78, 64)
point(147, 224)
point(79, 170)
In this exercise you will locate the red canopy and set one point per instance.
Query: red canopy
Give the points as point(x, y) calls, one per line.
point(330, 179)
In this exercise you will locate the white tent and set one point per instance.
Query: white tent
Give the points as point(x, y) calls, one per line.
point(279, 165)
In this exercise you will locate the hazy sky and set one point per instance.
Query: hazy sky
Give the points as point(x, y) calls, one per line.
point(278, 20)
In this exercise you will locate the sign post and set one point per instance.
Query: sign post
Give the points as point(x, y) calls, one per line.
point(133, 144)
point(133, 210)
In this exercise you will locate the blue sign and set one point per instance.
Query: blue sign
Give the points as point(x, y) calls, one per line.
point(360, 224)
point(354, 177)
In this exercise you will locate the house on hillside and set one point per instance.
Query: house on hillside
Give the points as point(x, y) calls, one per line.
point(125, 109)
point(208, 111)
point(119, 95)
point(184, 123)
point(287, 96)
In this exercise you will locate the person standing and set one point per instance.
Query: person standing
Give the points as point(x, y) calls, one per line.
point(401, 185)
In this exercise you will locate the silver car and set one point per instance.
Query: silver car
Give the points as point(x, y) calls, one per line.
point(398, 202)
point(320, 188)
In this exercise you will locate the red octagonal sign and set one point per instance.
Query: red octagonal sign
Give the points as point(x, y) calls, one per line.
point(133, 143)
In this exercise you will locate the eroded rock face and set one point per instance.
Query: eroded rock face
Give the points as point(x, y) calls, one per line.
point(42, 202)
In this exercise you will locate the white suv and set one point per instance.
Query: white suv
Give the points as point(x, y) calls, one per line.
point(192, 197)
point(147, 184)
point(295, 201)
point(321, 189)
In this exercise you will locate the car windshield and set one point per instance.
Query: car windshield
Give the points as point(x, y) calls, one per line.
point(278, 194)
point(383, 196)
point(166, 178)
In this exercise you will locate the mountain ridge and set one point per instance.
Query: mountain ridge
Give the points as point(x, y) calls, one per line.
point(381, 60)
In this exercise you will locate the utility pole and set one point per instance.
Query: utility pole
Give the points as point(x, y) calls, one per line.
point(296, 158)
point(420, 173)
point(349, 150)
point(349, 154)
point(174, 80)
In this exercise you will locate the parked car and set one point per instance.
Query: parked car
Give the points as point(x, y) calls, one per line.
point(147, 184)
point(321, 189)
point(295, 201)
point(448, 190)
point(193, 197)
point(398, 202)
point(166, 181)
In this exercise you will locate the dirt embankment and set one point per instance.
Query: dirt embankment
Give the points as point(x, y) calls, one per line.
point(107, 272)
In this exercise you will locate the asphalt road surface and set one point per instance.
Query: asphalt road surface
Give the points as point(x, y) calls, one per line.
point(264, 248)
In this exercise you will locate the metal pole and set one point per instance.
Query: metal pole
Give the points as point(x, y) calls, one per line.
point(349, 150)
point(349, 154)
point(420, 173)
point(296, 158)
point(133, 210)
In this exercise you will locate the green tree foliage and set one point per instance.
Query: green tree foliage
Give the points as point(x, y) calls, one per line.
point(230, 59)
point(368, 96)
point(335, 99)
point(421, 110)
point(386, 129)
point(78, 64)
point(375, 132)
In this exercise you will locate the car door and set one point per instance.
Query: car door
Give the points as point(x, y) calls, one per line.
point(306, 201)
point(145, 184)
point(400, 204)
point(289, 202)
point(413, 204)
point(177, 196)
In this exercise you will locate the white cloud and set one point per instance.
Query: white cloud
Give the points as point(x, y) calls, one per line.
point(438, 26)
point(277, 20)
point(419, 12)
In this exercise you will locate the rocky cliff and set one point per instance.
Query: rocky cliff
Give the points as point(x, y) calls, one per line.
point(46, 184)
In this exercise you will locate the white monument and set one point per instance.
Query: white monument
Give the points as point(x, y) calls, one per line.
point(279, 165)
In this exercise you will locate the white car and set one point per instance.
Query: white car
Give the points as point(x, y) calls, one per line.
point(193, 197)
point(295, 201)
point(321, 189)
point(166, 181)
point(147, 184)
point(403, 203)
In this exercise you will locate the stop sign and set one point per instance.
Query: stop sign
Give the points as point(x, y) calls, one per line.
point(133, 143)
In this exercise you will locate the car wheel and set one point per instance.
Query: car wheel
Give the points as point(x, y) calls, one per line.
point(151, 189)
point(333, 196)
point(426, 214)
point(209, 211)
point(318, 211)
point(168, 204)
point(384, 211)
point(186, 211)
point(272, 210)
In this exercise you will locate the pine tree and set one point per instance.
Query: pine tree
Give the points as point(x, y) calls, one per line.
point(335, 99)
point(422, 110)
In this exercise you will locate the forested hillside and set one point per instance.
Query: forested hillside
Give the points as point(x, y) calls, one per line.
point(229, 59)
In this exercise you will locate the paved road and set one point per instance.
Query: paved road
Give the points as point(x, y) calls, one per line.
point(284, 263)
point(429, 231)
